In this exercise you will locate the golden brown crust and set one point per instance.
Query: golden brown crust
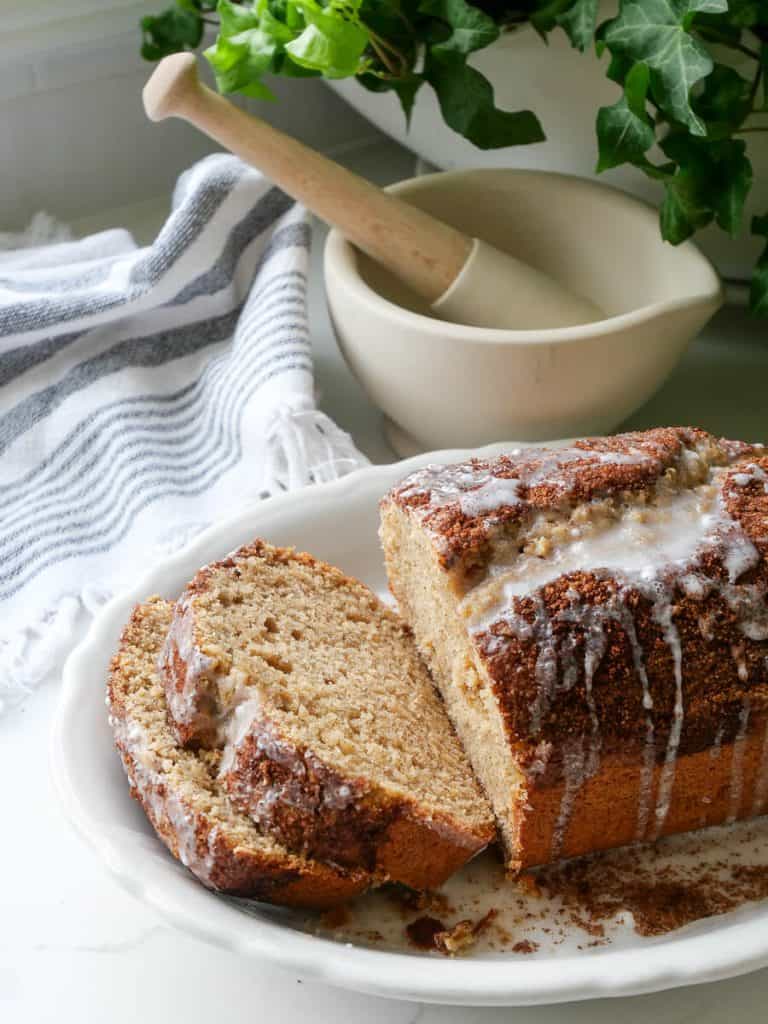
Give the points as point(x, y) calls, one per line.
point(609, 691)
point(321, 814)
point(709, 789)
point(218, 858)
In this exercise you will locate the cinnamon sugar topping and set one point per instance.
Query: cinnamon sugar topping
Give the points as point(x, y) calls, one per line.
point(580, 572)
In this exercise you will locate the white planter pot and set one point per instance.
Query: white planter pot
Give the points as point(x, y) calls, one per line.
point(565, 89)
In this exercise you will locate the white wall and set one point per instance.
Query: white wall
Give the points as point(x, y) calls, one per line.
point(73, 136)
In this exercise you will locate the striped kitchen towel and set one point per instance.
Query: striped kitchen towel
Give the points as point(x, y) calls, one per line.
point(145, 392)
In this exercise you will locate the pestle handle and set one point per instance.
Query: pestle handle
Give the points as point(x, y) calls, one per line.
point(420, 250)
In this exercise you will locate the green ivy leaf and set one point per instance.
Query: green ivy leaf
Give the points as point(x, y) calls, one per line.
point(636, 85)
point(243, 51)
point(758, 292)
point(579, 22)
point(333, 40)
point(296, 38)
point(283, 65)
point(655, 32)
point(336, 53)
point(239, 63)
point(725, 99)
point(203, 6)
point(712, 181)
point(684, 210)
point(733, 177)
point(172, 31)
point(708, 6)
point(544, 16)
point(625, 131)
point(466, 102)
point(735, 15)
point(471, 28)
point(406, 90)
point(619, 68)
point(235, 18)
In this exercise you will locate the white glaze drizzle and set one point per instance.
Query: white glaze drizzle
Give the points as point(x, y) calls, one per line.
point(479, 492)
point(199, 669)
point(146, 771)
point(751, 474)
point(737, 762)
point(714, 750)
point(663, 615)
point(575, 774)
point(737, 653)
point(639, 546)
point(237, 726)
point(695, 521)
point(497, 492)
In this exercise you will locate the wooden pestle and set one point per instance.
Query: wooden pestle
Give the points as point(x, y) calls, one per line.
point(465, 280)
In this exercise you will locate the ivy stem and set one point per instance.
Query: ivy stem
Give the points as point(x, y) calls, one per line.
point(717, 37)
point(384, 50)
point(383, 57)
point(755, 85)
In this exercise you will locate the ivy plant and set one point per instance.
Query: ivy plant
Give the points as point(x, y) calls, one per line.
point(682, 117)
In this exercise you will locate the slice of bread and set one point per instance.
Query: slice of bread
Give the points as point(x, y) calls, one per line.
point(334, 739)
point(183, 798)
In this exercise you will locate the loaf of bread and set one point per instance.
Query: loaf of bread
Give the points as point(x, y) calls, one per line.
point(333, 737)
point(183, 798)
point(596, 620)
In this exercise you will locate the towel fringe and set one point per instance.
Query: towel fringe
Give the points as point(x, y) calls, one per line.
point(304, 447)
point(43, 229)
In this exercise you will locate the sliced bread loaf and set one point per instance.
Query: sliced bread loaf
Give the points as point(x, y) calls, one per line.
point(597, 620)
point(334, 739)
point(183, 798)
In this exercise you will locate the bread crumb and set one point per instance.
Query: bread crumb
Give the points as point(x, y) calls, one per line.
point(463, 935)
point(526, 946)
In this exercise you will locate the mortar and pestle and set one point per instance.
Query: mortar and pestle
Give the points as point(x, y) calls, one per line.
point(478, 306)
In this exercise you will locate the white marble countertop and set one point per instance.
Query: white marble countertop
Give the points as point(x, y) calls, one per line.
point(76, 948)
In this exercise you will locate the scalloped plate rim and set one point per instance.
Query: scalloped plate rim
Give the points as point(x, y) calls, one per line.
point(681, 958)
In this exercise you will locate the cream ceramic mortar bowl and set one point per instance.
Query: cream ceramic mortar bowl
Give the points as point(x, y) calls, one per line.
point(443, 385)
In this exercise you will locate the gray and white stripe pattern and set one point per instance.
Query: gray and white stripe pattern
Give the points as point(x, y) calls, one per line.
point(143, 393)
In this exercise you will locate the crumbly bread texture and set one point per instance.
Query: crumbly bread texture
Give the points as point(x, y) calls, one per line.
point(334, 738)
point(596, 620)
point(185, 801)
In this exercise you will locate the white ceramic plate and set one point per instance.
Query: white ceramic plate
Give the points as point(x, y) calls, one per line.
point(337, 522)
